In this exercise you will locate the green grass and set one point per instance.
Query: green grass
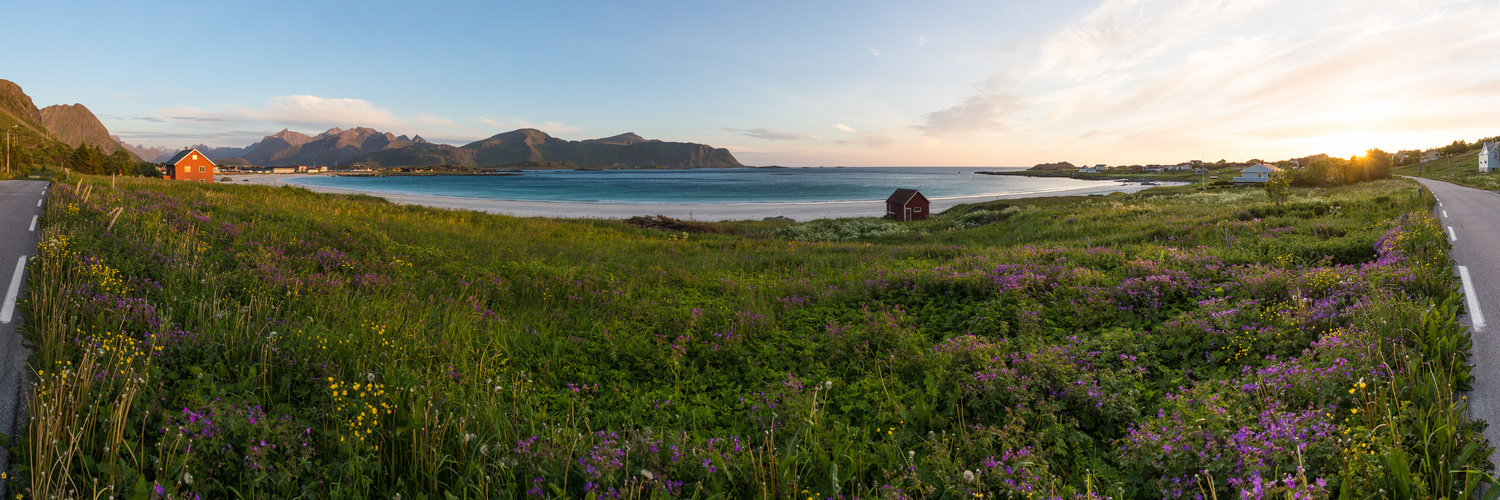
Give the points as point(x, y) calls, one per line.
point(1462, 169)
point(250, 341)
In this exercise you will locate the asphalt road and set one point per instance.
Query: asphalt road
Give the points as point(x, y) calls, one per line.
point(20, 206)
point(1471, 217)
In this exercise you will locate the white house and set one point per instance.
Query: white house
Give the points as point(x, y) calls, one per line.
point(1091, 170)
point(1431, 154)
point(1489, 157)
point(1258, 172)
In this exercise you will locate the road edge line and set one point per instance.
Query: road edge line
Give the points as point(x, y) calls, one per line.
point(8, 310)
point(1476, 317)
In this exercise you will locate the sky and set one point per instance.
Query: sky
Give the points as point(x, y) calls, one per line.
point(795, 83)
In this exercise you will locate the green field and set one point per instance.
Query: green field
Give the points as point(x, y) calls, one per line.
point(1462, 169)
point(215, 341)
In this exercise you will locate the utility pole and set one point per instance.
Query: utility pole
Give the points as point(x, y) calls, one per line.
point(8, 146)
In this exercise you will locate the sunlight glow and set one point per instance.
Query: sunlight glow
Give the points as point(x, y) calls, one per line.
point(1344, 146)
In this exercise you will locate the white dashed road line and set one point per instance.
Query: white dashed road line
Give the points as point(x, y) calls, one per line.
point(9, 308)
point(1452, 236)
point(33, 224)
point(1476, 317)
point(39, 203)
point(1445, 214)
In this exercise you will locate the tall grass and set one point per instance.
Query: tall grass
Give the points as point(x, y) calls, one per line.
point(217, 341)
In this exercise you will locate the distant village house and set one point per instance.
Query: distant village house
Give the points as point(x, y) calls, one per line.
point(1489, 157)
point(907, 205)
point(1257, 173)
point(189, 165)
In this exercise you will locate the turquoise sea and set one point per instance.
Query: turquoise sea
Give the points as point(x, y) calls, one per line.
point(716, 185)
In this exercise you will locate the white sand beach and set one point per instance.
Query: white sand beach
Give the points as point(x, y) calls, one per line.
point(692, 211)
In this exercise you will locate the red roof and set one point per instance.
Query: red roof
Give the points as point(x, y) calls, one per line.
point(902, 196)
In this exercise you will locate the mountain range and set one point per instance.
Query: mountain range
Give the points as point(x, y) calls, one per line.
point(369, 147)
point(151, 154)
point(74, 124)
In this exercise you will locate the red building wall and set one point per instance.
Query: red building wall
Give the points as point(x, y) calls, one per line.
point(194, 167)
point(915, 209)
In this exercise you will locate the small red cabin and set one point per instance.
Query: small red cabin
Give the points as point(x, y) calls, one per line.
point(189, 165)
point(907, 205)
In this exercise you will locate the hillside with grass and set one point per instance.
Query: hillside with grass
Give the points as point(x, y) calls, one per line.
point(1459, 168)
point(20, 114)
point(218, 341)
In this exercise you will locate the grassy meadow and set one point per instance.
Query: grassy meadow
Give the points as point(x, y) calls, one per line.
point(212, 341)
point(1461, 169)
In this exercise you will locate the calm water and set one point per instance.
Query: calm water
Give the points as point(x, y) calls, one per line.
point(734, 185)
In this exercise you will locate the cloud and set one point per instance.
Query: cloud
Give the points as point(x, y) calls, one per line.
point(986, 109)
point(921, 41)
point(877, 140)
point(229, 138)
point(314, 111)
point(873, 140)
point(1136, 79)
point(291, 110)
point(554, 128)
point(843, 127)
point(875, 52)
point(192, 114)
point(771, 134)
point(1122, 34)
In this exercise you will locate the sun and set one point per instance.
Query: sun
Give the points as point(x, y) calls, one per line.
point(1346, 145)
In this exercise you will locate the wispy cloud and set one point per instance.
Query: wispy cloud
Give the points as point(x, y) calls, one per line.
point(877, 140)
point(921, 41)
point(292, 110)
point(771, 134)
point(875, 52)
point(1122, 34)
point(985, 110)
point(1182, 76)
point(314, 111)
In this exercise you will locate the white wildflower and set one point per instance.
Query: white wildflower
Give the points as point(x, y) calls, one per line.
point(647, 474)
point(968, 476)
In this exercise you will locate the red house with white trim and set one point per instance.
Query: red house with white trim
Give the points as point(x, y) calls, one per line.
point(189, 165)
point(907, 205)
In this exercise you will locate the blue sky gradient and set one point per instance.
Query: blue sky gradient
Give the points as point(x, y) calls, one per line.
point(794, 83)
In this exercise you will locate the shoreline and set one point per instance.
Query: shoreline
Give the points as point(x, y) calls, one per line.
point(714, 212)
